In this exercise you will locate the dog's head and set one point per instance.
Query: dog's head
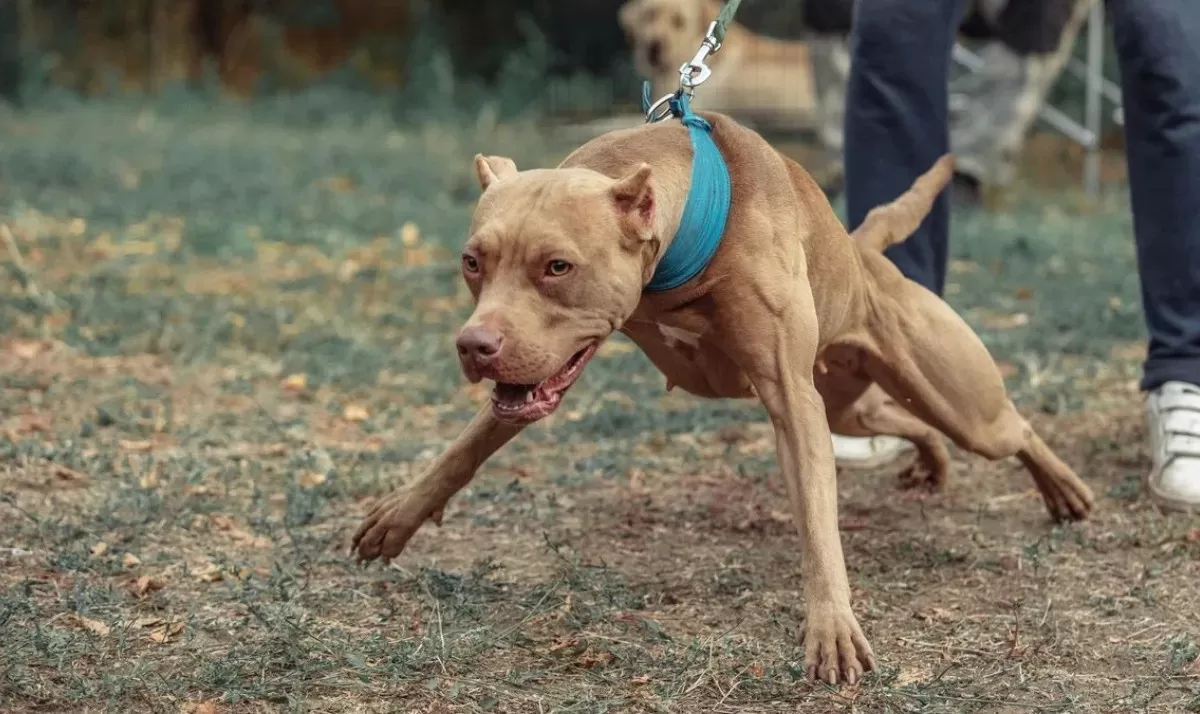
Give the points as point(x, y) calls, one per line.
point(665, 33)
point(556, 261)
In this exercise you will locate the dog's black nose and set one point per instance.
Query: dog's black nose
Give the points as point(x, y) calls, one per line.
point(479, 344)
point(654, 54)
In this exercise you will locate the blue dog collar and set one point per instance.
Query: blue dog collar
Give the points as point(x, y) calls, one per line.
point(707, 208)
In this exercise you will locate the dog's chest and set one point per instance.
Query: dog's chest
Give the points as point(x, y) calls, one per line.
point(688, 361)
point(676, 337)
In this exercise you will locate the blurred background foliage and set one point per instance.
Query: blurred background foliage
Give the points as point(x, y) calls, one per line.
point(245, 48)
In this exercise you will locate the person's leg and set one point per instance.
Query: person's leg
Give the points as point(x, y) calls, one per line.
point(897, 125)
point(1158, 45)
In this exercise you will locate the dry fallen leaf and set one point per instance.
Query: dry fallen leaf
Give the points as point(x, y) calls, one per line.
point(908, 675)
point(640, 679)
point(227, 524)
point(591, 658)
point(149, 479)
point(129, 560)
point(99, 548)
point(93, 626)
point(934, 614)
point(295, 382)
point(144, 585)
point(209, 573)
point(562, 643)
point(144, 622)
point(28, 349)
point(64, 474)
point(1005, 322)
point(34, 423)
point(166, 632)
point(310, 479)
point(136, 445)
point(198, 708)
point(410, 235)
point(355, 412)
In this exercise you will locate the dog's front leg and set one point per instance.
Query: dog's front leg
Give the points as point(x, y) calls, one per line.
point(779, 362)
point(389, 525)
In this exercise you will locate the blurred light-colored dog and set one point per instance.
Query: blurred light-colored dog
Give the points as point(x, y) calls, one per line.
point(755, 77)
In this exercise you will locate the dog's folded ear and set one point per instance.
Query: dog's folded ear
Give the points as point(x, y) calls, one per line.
point(635, 197)
point(625, 16)
point(490, 169)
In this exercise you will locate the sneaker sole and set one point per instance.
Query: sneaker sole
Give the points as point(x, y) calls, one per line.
point(1171, 504)
point(872, 463)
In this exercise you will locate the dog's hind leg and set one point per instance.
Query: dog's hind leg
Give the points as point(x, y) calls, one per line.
point(876, 413)
point(930, 360)
point(396, 517)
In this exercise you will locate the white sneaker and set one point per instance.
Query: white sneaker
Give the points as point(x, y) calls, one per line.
point(1174, 415)
point(868, 452)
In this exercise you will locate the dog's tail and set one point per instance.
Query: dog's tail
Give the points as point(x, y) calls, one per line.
point(894, 222)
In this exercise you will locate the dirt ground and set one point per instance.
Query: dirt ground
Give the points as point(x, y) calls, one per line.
point(198, 400)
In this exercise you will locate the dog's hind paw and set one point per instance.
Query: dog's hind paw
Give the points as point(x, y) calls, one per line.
point(919, 479)
point(835, 650)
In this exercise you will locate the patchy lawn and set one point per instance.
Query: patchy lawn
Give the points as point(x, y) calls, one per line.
point(226, 330)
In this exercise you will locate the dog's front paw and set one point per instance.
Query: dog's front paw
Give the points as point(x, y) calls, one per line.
point(835, 649)
point(387, 528)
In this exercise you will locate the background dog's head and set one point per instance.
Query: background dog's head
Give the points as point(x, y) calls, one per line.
point(556, 262)
point(665, 33)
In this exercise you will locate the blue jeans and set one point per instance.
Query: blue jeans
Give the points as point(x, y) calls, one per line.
point(897, 125)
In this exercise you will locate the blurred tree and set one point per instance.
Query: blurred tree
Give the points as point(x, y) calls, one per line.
point(11, 44)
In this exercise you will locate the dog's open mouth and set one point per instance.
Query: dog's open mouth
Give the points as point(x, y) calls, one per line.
point(526, 403)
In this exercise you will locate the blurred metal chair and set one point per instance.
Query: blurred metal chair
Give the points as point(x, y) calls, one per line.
point(1098, 89)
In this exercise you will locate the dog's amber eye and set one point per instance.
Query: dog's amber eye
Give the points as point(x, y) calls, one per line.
point(470, 263)
point(556, 268)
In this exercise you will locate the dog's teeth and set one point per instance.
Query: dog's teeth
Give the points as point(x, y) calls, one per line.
point(529, 397)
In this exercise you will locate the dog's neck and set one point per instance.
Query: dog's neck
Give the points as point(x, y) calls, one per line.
point(701, 215)
point(670, 192)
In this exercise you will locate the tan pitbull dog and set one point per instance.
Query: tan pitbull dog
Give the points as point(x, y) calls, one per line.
point(755, 77)
point(790, 310)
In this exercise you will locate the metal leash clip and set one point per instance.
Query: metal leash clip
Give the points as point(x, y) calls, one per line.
point(691, 75)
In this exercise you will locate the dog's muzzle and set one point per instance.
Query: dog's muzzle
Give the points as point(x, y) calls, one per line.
point(654, 54)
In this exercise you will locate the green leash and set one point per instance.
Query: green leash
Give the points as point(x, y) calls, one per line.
point(723, 20)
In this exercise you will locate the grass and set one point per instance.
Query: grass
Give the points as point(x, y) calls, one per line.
point(228, 328)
